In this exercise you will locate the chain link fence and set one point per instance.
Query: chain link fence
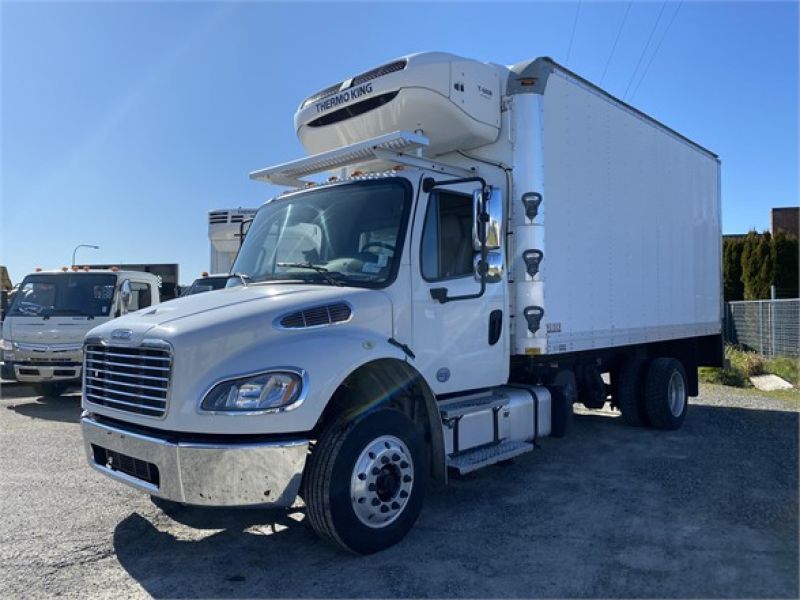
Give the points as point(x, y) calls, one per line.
point(769, 327)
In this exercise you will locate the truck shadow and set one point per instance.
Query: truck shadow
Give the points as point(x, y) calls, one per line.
point(65, 409)
point(610, 511)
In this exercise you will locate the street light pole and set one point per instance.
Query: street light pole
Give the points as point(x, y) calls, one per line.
point(82, 246)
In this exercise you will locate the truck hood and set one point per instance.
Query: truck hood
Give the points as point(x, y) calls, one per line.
point(251, 307)
point(55, 330)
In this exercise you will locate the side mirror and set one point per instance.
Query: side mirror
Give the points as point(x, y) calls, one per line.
point(125, 295)
point(493, 267)
point(487, 225)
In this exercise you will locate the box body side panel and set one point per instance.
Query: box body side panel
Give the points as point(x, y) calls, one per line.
point(631, 216)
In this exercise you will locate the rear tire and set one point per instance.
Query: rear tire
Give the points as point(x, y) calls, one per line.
point(666, 398)
point(628, 395)
point(365, 481)
point(50, 389)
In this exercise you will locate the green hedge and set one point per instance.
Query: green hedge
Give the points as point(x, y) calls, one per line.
point(750, 265)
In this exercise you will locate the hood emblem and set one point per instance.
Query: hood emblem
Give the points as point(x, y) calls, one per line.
point(121, 334)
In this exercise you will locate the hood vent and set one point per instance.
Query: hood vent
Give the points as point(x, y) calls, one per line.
point(317, 316)
point(391, 67)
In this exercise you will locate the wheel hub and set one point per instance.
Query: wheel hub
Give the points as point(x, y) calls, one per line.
point(676, 394)
point(381, 483)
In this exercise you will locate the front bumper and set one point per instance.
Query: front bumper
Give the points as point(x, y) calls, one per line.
point(35, 363)
point(37, 372)
point(206, 474)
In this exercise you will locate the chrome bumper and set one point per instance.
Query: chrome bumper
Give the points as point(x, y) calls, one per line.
point(204, 474)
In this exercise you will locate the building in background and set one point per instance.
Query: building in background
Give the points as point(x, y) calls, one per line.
point(787, 220)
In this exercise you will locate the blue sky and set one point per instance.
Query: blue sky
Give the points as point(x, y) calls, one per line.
point(123, 124)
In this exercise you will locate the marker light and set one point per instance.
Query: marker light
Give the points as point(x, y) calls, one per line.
point(204, 274)
point(38, 269)
point(65, 269)
point(75, 268)
point(85, 268)
point(114, 269)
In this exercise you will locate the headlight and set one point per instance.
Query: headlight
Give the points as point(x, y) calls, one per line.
point(255, 393)
point(6, 345)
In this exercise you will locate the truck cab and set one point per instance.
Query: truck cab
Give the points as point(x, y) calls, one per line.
point(52, 311)
point(447, 272)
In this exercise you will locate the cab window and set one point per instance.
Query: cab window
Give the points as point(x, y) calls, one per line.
point(142, 295)
point(446, 249)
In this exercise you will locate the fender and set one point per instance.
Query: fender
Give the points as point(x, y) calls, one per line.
point(385, 376)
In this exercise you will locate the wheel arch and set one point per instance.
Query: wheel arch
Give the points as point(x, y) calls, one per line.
point(385, 382)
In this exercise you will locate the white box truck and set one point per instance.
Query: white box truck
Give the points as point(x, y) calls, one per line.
point(492, 242)
point(43, 330)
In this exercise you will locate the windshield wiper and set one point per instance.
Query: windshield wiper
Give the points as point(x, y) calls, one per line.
point(327, 275)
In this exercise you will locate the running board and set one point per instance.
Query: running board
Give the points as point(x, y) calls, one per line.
point(472, 460)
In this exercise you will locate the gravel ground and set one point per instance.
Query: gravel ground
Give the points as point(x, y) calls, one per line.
point(610, 511)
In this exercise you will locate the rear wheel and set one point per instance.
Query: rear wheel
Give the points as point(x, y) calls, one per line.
point(365, 481)
point(628, 391)
point(666, 399)
point(50, 389)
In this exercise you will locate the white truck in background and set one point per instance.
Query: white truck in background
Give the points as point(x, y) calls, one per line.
point(492, 242)
point(51, 312)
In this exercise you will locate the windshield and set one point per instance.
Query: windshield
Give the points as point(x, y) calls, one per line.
point(207, 284)
point(83, 294)
point(349, 234)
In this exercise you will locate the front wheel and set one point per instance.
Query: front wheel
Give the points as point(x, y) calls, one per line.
point(365, 481)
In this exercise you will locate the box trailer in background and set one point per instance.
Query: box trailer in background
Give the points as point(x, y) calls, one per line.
point(491, 244)
point(226, 227)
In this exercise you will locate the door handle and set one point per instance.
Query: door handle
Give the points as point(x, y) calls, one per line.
point(495, 326)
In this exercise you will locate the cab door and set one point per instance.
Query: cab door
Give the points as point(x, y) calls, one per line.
point(459, 344)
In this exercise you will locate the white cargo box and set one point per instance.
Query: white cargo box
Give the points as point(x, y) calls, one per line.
point(627, 234)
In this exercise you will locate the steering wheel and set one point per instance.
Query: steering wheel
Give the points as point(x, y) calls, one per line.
point(383, 245)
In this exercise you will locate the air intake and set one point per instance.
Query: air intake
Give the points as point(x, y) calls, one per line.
point(317, 316)
point(391, 67)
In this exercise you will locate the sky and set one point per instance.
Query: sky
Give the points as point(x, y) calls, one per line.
point(123, 124)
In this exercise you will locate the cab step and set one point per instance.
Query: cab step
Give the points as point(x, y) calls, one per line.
point(472, 460)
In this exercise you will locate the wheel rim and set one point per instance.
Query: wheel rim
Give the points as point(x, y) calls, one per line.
point(676, 394)
point(381, 483)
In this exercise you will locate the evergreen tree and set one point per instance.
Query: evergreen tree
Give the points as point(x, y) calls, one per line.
point(758, 265)
point(786, 265)
point(732, 269)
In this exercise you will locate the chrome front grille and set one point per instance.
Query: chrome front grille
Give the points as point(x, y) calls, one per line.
point(133, 379)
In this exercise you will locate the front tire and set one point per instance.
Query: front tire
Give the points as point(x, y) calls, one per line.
point(365, 481)
point(665, 397)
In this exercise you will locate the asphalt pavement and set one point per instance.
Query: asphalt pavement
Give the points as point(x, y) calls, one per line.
point(610, 511)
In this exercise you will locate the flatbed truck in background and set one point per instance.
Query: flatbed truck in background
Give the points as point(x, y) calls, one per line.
point(468, 250)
